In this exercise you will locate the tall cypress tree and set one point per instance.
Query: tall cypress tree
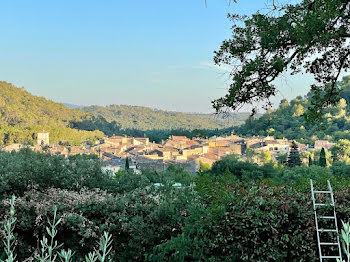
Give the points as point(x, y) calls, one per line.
point(323, 160)
point(294, 156)
point(310, 161)
point(127, 164)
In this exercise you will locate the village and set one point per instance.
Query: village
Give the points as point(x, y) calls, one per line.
point(179, 151)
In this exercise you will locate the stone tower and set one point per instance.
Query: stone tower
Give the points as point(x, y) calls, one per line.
point(43, 138)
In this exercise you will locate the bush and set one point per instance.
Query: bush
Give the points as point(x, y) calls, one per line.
point(242, 170)
point(236, 210)
point(254, 223)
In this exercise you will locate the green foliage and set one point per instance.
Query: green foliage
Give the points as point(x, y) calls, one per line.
point(29, 170)
point(266, 157)
point(137, 214)
point(345, 237)
point(157, 125)
point(242, 170)
point(9, 241)
point(50, 248)
point(268, 43)
point(285, 122)
point(341, 151)
point(236, 210)
point(127, 164)
point(323, 160)
point(49, 251)
point(144, 118)
point(23, 115)
point(253, 223)
point(203, 166)
point(282, 158)
point(310, 161)
point(294, 156)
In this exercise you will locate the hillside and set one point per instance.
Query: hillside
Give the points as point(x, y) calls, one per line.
point(144, 118)
point(237, 117)
point(22, 115)
point(288, 121)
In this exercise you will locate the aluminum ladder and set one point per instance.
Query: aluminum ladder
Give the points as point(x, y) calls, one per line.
point(327, 218)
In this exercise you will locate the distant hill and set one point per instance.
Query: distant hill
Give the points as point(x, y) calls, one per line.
point(288, 121)
point(22, 115)
point(72, 106)
point(144, 118)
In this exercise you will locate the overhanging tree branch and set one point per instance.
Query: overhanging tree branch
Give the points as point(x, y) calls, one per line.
point(266, 45)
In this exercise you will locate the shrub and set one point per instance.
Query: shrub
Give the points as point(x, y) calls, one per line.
point(50, 249)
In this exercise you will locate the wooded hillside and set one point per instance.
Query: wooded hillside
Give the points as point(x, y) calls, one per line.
point(145, 118)
point(22, 115)
point(288, 120)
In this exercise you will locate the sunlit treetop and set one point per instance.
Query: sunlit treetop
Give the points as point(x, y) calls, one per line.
point(311, 36)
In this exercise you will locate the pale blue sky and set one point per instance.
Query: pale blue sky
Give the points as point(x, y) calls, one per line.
point(155, 53)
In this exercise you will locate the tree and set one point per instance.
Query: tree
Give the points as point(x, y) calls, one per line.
point(310, 161)
point(265, 157)
point(265, 45)
point(204, 166)
point(282, 158)
point(341, 151)
point(323, 160)
point(298, 110)
point(251, 155)
point(294, 156)
point(127, 166)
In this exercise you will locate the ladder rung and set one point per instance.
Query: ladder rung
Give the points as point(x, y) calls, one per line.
point(323, 192)
point(328, 230)
point(326, 217)
point(322, 204)
point(328, 244)
point(330, 256)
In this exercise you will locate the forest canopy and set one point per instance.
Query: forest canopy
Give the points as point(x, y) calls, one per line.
point(288, 120)
point(23, 115)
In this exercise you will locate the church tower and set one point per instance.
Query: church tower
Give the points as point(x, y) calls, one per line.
point(43, 138)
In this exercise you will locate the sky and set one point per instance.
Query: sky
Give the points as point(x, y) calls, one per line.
point(156, 53)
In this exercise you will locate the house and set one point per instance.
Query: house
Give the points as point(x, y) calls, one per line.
point(323, 143)
point(193, 150)
point(221, 151)
point(179, 142)
point(255, 142)
point(137, 150)
point(274, 147)
point(116, 140)
point(140, 141)
point(165, 152)
point(179, 138)
point(236, 149)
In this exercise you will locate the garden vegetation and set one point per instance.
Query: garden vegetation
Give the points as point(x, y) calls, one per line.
point(235, 211)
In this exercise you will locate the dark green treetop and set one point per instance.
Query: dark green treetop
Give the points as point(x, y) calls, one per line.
point(294, 156)
point(323, 160)
point(127, 165)
point(310, 161)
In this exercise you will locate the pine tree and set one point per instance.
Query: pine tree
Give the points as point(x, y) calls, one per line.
point(294, 157)
point(323, 160)
point(127, 164)
point(310, 161)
